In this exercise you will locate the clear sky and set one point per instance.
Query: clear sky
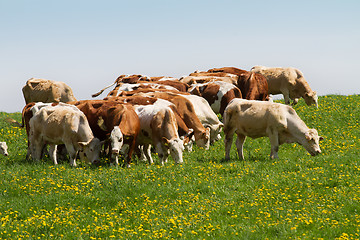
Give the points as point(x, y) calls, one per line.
point(88, 44)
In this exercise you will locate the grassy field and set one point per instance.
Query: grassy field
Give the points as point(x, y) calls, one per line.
point(295, 197)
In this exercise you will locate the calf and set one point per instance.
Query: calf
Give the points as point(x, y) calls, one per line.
point(258, 119)
point(67, 125)
point(159, 128)
point(3, 149)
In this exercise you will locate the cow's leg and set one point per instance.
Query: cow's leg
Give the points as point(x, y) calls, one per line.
point(72, 154)
point(239, 145)
point(228, 142)
point(274, 141)
point(52, 152)
point(160, 152)
point(147, 152)
point(295, 101)
point(286, 94)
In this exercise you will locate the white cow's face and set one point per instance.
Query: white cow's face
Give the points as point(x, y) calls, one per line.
point(176, 147)
point(3, 148)
point(92, 149)
point(311, 143)
point(311, 98)
point(117, 140)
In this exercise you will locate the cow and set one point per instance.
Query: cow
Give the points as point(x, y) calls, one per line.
point(257, 119)
point(3, 149)
point(187, 112)
point(253, 86)
point(47, 91)
point(206, 116)
point(27, 113)
point(217, 93)
point(185, 133)
point(289, 82)
point(62, 124)
point(104, 115)
point(159, 128)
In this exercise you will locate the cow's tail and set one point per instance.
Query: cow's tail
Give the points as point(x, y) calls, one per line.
point(102, 90)
point(14, 123)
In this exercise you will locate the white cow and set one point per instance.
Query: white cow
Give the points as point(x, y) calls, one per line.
point(42, 90)
point(206, 116)
point(3, 149)
point(159, 128)
point(257, 119)
point(62, 124)
point(288, 81)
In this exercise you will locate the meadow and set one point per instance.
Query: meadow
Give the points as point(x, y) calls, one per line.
point(294, 197)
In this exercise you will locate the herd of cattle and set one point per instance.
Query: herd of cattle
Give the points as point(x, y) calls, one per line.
point(170, 114)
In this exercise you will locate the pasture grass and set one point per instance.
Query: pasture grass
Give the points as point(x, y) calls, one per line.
point(294, 197)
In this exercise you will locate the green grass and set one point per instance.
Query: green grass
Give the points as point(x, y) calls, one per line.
point(294, 197)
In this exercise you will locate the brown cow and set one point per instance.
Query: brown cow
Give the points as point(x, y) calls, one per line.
point(184, 132)
point(104, 115)
point(253, 86)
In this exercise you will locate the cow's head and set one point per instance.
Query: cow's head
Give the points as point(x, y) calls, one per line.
point(202, 139)
point(311, 98)
point(91, 149)
point(311, 142)
point(3, 148)
point(176, 147)
point(117, 140)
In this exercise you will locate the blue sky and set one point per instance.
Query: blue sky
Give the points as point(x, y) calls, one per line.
point(87, 44)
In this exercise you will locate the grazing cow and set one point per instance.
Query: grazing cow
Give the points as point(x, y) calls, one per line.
point(185, 133)
point(104, 115)
point(187, 112)
point(257, 119)
point(206, 116)
point(159, 128)
point(3, 149)
point(62, 124)
point(47, 91)
point(289, 82)
point(27, 113)
point(218, 94)
point(253, 86)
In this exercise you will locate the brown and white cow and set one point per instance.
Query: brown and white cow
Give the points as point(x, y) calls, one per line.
point(289, 82)
point(185, 133)
point(218, 94)
point(104, 116)
point(62, 124)
point(187, 112)
point(159, 128)
point(257, 119)
point(253, 86)
point(206, 116)
point(3, 149)
point(47, 91)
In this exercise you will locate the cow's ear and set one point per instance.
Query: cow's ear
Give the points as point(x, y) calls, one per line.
point(165, 141)
point(307, 136)
point(83, 144)
point(321, 138)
